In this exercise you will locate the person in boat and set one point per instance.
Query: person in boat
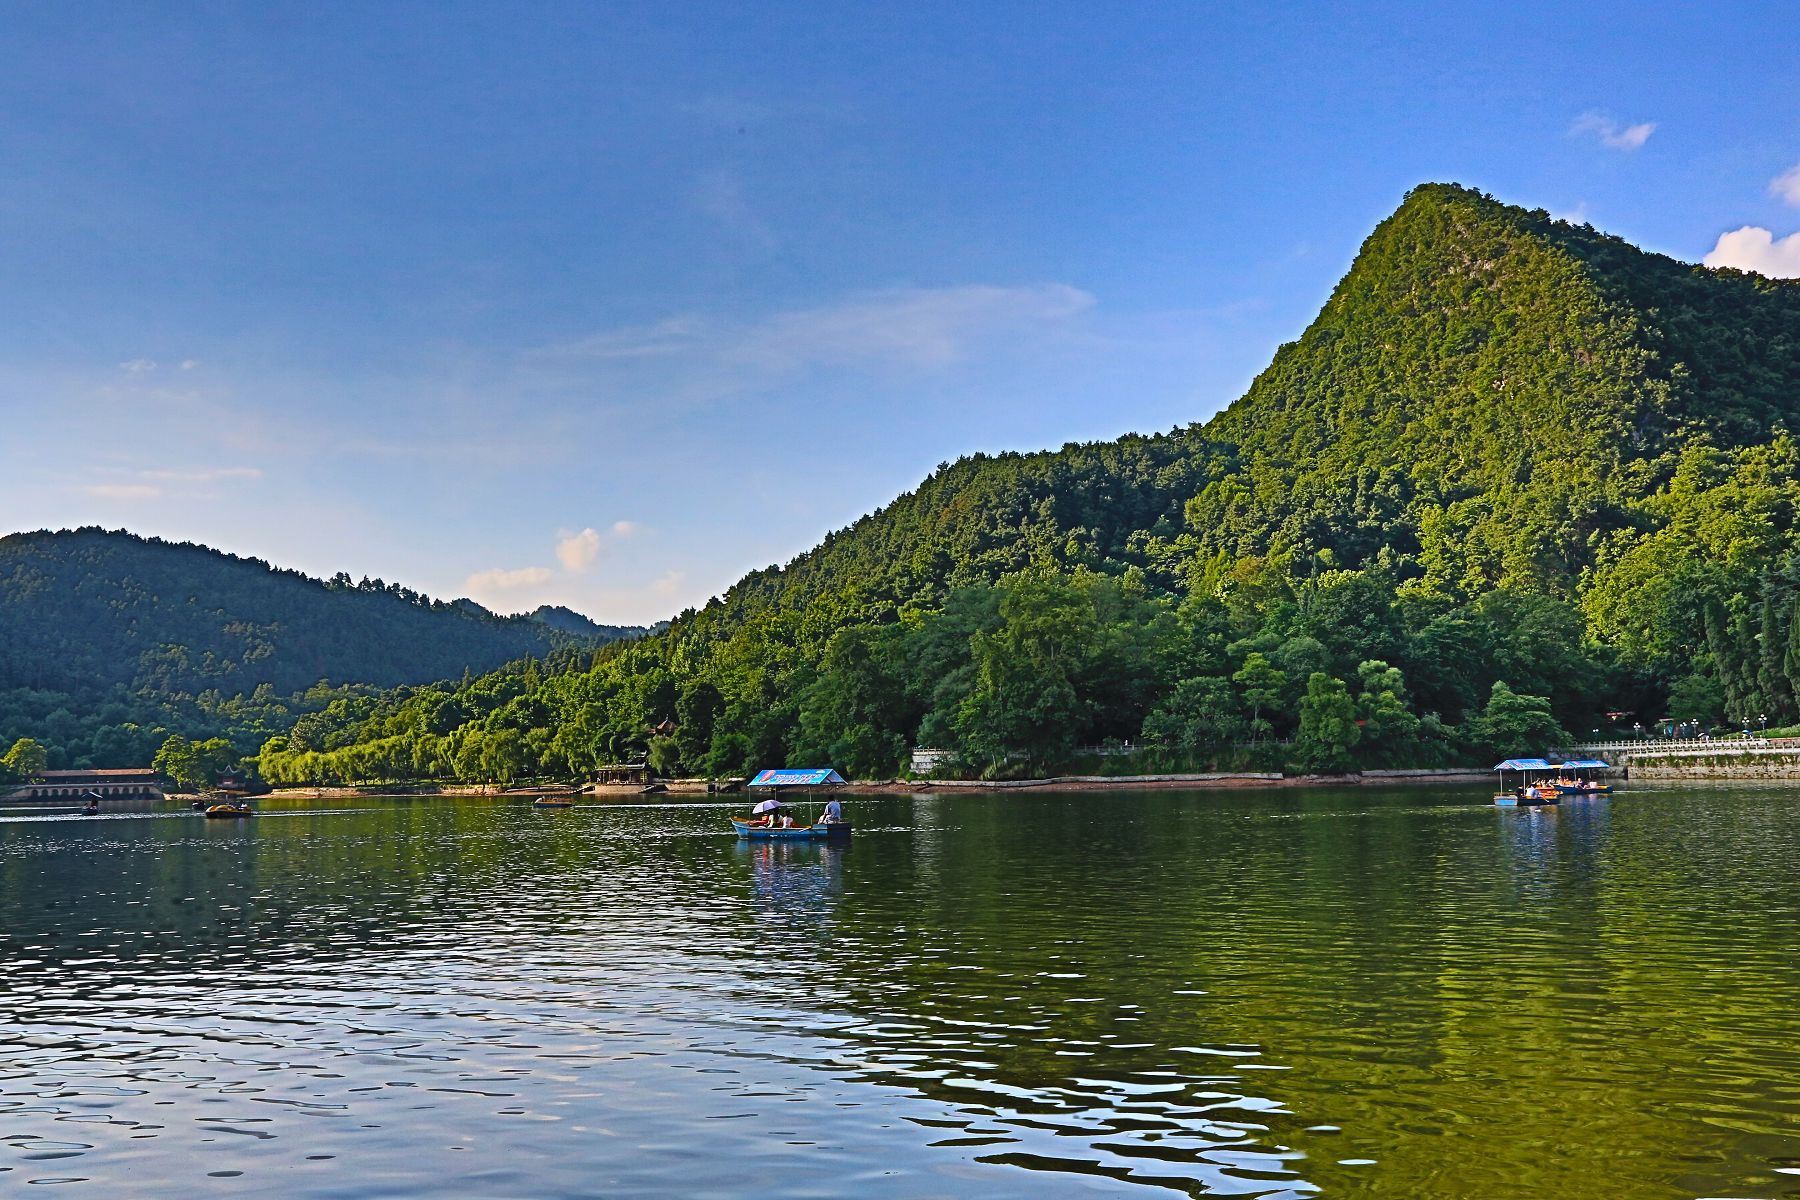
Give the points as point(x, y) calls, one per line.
point(834, 812)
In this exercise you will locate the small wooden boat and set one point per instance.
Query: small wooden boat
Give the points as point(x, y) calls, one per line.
point(1588, 788)
point(818, 832)
point(554, 802)
point(226, 811)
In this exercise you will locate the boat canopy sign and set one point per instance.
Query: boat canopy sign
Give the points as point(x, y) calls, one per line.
point(797, 777)
point(1523, 764)
point(1586, 764)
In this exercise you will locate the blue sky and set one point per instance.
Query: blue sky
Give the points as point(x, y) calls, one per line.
point(605, 305)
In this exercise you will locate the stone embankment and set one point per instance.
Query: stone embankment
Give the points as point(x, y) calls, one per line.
point(1700, 758)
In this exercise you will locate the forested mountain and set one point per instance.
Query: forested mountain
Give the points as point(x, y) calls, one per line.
point(165, 635)
point(1516, 474)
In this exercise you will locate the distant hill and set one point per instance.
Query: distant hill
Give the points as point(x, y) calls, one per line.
point(567, 620)
point(106, 629)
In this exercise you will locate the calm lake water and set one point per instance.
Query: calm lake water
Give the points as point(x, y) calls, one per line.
point(1355, 993)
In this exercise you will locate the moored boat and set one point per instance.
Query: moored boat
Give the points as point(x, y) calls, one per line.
point(553, 802)
point(226, 811)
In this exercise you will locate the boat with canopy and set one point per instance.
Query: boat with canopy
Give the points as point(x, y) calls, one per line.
point(767, 821)
point(1527, 792)
point(1572, 779)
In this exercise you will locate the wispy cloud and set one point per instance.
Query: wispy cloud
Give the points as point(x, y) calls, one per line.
point(669, 583)
point(1787, 185)
point(138, 366)
point(1753, 248)
point(720, 195)
point(154, 483)
point(123, 491)
point(625, 529)
point(1610, 133)
point(919, 328)
point(203, 474)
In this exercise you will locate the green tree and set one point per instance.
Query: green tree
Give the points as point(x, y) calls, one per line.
point(1515, 724)
point(1200, 720)
point(1262, 685)
point(1328, 724)
point(26, 758)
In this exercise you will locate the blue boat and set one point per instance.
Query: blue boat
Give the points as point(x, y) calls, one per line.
point(766, 824)
point(1581, 785)
point(792, 833)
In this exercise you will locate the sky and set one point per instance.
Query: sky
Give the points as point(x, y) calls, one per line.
point(607, 304)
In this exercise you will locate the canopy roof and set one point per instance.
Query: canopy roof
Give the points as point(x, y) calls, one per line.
point(1584, 764)
point(1523, 764)
point(797, 777)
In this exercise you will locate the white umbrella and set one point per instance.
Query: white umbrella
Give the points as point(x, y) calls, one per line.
point(767, 806)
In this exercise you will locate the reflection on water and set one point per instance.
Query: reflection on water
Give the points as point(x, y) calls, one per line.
point(1276, 995)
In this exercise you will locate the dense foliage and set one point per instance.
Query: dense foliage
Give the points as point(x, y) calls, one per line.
point(1517, 475)
point(110, 642)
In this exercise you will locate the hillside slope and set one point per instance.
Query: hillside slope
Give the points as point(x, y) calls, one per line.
point(1516, 473)
point(1488, 391)
point(89, 608)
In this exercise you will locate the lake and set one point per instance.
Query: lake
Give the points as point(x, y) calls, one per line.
point(1272, 994)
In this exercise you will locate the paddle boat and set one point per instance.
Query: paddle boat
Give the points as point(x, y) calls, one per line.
point(1578, 784)
point(767, 822)
point(1527, 793)
point(235, 808)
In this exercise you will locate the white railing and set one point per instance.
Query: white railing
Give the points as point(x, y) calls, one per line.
point(1645, 745)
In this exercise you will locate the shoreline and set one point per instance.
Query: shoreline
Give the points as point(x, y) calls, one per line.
point(698, 788)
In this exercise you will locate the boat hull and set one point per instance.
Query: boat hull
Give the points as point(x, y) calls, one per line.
point(796, 833)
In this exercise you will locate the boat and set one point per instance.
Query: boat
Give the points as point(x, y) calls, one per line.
point(554, 802)
point(1527, 793)
point(765, 822)
point(819, 831)
point(1578, 784)
point(226, 811)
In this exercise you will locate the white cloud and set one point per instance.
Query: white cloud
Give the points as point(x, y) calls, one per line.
point(625, 529)
point(1755, 249)
point(1610, 133)
point(499, 579)
point(203, 474)
point(921, 327)
point(912, 327)
point(1787, 185)
point(188, 364)
point(669, 584)
point(123, 491)
point(138, 366)
point(671, 336)
point(578, 551)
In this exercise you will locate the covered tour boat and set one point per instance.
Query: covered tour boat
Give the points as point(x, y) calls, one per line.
point(1573, 780)
point(1528, 792)
point(767, 821)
